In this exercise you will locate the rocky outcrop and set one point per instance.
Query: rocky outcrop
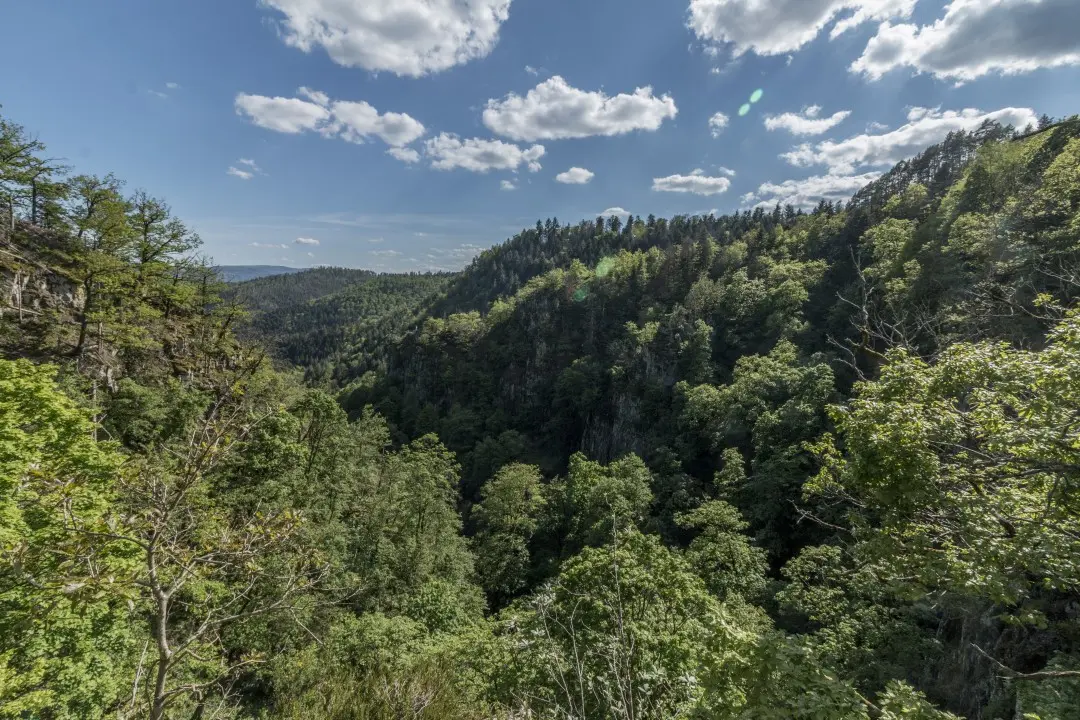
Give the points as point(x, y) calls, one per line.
point(29, 288)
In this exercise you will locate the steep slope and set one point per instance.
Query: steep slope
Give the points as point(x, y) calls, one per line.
point(329, 318)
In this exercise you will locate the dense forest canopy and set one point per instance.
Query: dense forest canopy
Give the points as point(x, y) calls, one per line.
point(772, 464)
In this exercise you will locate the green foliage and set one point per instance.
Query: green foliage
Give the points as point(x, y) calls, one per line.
point(506, 520)
point(602, 499)
point(722, 554)
point(625, 631)
point(64, 639)
point(186, 532)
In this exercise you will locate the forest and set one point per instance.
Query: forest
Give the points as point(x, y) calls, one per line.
point(774, 464)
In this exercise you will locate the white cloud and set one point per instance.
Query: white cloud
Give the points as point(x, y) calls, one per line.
point(696, 182)
point(808, 192)
point(924, 128)
point(447, 152)
point(715, 71)
point(375, 240)
point(237, 172)
point(876, 127)
point(158, 93)
point(617, 211)
point(507, 185)
point(348, 120)
point(725, 171)
point(286, 115)
point(776, 27)
point(385, 253)
point(575, 176)
point(311, 254)
point(531, 70)
point(306, 241)
point(807, 122)
point(316, 96)
point(405, 37)
point(250, 163)
point(718, 122)
point(554, 110)
point(356, 121)
point(405, 155)
point(977, 37)
point(172, 85)
point(459, 253)
point(268, 245)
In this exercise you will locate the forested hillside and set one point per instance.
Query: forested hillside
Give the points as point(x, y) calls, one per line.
point(243, 273)
point(331, 318)
point(766, 465)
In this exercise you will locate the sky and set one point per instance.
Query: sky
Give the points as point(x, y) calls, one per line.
point(408, 135)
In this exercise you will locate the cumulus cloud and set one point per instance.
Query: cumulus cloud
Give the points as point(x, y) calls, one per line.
point(405, 37)
point(237, 172)
point(554, 110)
point(306, 241)
point(575, 176)
point(285, 115)
point(717, 123)
point(172, 85)
point(977, 37)
point(808, 122)
point(405, 155)
point(354, 122)
point(808, 192)
point(778, 27)
point(696, 182)
point(617, 211)
point(448, 151)
point(507, 185)
point(924, 128)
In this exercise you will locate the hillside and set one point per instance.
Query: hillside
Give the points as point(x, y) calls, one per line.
point(243, 273)
point(322, 319)
point(775, 464)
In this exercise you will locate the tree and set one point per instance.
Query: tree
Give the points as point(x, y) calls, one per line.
point(722, 555)
point(206, 568)
point(506, 520)
point(99, 217)
point(601, 499)
point(960, 475)
point(625, 631)
point(65, 644)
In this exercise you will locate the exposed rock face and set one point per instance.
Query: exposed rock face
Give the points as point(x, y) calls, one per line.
point(32, 289)
point(38, 298)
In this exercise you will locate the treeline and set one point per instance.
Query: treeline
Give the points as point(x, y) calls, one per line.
point(773, 465)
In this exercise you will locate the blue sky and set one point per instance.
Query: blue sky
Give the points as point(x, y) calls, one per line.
point(616, 95)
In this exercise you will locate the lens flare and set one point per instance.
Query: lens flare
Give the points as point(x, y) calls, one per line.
point(605, 266)
point(757, 95)
point(744, 109)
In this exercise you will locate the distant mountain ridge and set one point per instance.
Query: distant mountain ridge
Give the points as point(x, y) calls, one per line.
point(242, 273)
